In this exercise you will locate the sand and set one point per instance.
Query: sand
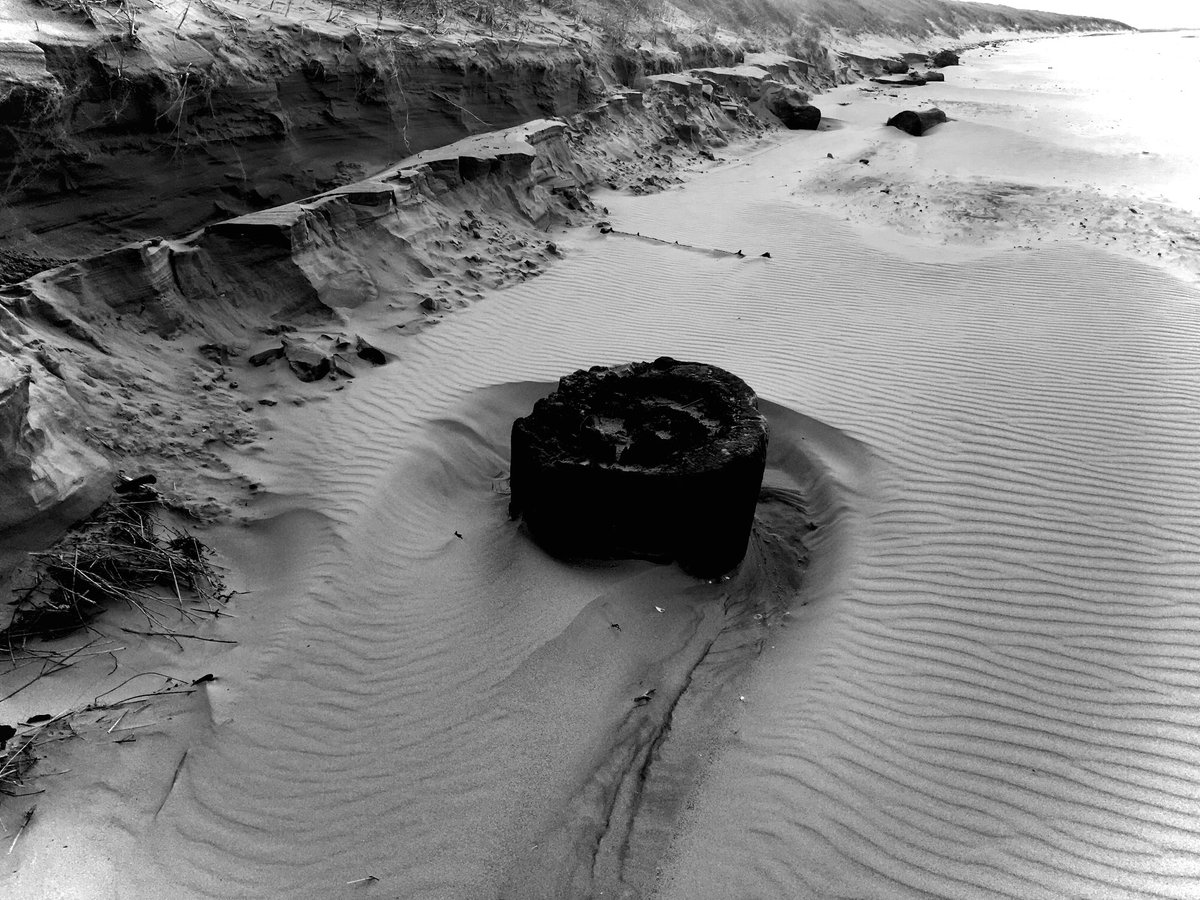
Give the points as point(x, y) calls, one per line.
point(980, 683)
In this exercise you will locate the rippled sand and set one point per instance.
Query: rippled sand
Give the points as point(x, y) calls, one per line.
point(985, 685)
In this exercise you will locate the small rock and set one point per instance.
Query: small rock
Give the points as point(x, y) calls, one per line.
point(266, 356)
point(217, 353)
point(369, 353)
point(50, 362)
point(307, 361)
point(791, 107)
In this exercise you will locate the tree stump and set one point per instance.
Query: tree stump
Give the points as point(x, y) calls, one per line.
point(660, 461)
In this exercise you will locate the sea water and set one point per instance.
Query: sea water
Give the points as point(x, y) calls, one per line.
point(1128, 99)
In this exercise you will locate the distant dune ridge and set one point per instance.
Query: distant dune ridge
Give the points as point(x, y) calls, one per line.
point(915, 18)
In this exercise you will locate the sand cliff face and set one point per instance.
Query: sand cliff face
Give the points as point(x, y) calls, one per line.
point(44, 459)
point(156, 123)
point(132, 143)
point(146, 344)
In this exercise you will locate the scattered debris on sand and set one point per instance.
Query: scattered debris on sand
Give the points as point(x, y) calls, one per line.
point(124, 553)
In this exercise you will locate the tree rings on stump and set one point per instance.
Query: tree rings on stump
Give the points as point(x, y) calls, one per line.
point(660, 460)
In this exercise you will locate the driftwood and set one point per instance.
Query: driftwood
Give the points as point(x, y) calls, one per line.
point(909, 79)
point(917, 122)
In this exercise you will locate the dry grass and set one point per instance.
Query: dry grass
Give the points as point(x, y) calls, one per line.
point(125, 553)
point(19, 752)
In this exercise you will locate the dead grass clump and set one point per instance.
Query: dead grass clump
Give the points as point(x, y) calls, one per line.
point(125, 553)
point(21, 745)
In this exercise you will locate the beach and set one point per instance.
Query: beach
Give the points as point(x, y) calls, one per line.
point(957, 661)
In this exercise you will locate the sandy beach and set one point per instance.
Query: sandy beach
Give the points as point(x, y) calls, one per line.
point(958, 660)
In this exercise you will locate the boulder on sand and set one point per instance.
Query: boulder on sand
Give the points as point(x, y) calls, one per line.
point(944, 58)
point(790, 105)
point(306, 360)
point(917, 122)
point(660, 461)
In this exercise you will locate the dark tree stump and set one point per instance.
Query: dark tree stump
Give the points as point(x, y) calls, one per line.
point(917, 123)
point(660, 460)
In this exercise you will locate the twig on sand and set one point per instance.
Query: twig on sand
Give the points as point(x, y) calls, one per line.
point(20, 831)
point(52, 662)
point(17, 757)
point(177, 634)
point(367, 880)
point(171, 786)
point(171, 680)
point(16, 760)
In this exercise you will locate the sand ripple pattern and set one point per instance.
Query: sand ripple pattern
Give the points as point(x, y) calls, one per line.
point(992, 692)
